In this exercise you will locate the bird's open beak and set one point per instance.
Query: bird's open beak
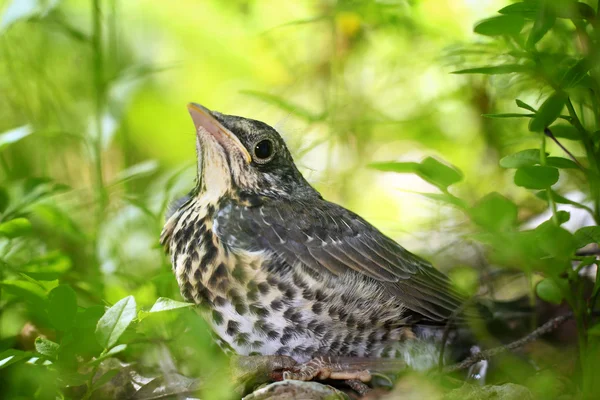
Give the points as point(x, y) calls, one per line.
point(203, 118)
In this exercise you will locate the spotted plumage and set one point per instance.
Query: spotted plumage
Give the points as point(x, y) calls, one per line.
point(280, 270)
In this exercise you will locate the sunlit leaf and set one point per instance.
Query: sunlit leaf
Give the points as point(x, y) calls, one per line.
point(494, 212)
point(392, 166)
point(522, 104)
point(14, 135)
point(46, 347)
point(430, 169)
point(549, 291)
point(115, 321)
point(500, 25)
point(521, 159)
point(536, 177)
point(548, 112)
point(494, 70)
point(15, 228)
point(587, 235)
point(62, 307)
point(439, 174)
point(164, 304)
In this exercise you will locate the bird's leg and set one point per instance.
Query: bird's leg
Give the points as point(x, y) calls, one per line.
point(341, 368)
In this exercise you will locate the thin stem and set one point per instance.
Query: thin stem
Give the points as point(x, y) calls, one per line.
point(551, 201)
point(549, 133)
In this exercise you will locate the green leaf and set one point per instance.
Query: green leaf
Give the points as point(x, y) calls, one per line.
point(25, 290)
point(9, 137)
point(536, 177)
point(563, 216)
point(523, 158)
point(12, 356)
point(561, 199)
point(565, 131)
point(15, 228)
point(392, 166)
point(62, 307)
point(439, 174)
point(526, 9)
point(494, 70)
point(46, 347)
point(549, 291)
point(556, 241)
point(587, 235)
point(508, 115)
point(431, 170)
point(110, 353)
point(576, 73)
point(115, 321)
point(47, 267)
point(165, 304)
point(495, 212)
point(500, 25)
point(561, 163)
point(543, 23)
point(522, 104)
point(548, 112)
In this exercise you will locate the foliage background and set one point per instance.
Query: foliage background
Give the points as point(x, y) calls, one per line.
point(97, 142)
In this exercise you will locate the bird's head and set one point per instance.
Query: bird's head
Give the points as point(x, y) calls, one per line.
point(241, 155)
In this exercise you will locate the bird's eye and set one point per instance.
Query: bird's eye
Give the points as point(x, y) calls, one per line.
point(263, 150)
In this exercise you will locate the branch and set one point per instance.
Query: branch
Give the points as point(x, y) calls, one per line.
point(549, 133)
point(484, 355)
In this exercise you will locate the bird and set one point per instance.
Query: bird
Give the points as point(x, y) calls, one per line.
point(280, 271)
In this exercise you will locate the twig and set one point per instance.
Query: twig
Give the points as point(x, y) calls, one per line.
point(549, 133)
point(484, 355)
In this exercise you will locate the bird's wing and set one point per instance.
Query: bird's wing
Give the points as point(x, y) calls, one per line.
point(329, 238)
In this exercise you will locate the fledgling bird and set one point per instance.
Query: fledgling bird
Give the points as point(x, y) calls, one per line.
point(283, 271)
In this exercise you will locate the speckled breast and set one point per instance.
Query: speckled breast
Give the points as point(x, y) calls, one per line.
point(260, 305)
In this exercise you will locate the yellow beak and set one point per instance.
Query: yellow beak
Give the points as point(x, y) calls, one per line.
point(202, 118)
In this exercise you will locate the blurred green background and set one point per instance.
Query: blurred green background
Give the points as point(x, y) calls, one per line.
point(95, 141)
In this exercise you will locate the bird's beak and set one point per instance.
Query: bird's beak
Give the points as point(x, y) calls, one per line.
point(202, 117)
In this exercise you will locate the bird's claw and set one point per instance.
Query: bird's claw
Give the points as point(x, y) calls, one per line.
point(322, 368)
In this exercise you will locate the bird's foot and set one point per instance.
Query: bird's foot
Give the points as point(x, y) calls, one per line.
point(250, 371)
point(322, 368)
